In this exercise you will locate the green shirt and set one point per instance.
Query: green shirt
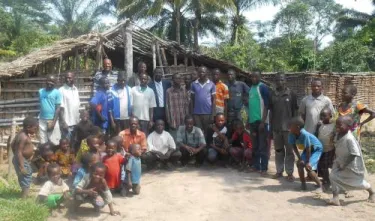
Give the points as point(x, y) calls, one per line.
point(255, 104)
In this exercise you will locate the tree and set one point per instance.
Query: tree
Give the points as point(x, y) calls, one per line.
point(350, 19)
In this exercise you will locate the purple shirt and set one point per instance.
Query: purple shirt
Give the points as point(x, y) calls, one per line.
point(202, 96)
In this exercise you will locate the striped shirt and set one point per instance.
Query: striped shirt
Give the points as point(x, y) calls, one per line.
point(177, 106)
point(222, 94)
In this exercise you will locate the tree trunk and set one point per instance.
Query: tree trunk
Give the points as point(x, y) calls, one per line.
point(196, 28)
point(178, 25)
point(233, 39)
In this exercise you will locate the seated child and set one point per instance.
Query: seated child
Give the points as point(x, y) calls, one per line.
point(65, 158)
point(217, 140)
point(84, 148)
point(47, 157)
point(241, 150)
point(113, 161)
point(23, 150)
point(87, 160)
point(54, 191)
point(325, 133)
point(94, 189)
point(133, 170)
point(83, 129)
point(311, 151)
point(348, 172)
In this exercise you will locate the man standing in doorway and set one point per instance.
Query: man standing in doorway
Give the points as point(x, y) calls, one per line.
point(106, 72)
point(203, 97)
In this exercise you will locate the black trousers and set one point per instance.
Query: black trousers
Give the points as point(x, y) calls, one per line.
point(199, 157)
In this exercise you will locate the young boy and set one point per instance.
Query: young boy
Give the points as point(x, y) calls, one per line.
point(311, 151)
point(94, 189)
point(23, 150)
point(113, 161)
point(217, 141)
point(47, 157)
point(241, 150)
point(55, 190)
point(133, 170)
point(100, 105)
point(82, 130)
point(325, 133)
point(348, 172)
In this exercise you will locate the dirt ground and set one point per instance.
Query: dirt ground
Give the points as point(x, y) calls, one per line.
point(208, 193)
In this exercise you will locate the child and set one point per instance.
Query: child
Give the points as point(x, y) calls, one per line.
point(354, 109)
point(94, 189)
point(113, 161)
point(65, 158)
point(241, 150)
point(87, 160)
point(312, 150)
point(348, 172)
point(47, 157)
point(55, 190)
point(83, 129)
point(217, 140)
point(23, 150)
point(325, 133)
point(84, 148)
point(100, 105)
point(133, 170)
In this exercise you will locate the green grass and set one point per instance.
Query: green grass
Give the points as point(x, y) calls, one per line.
point(13, 208)
point(368, 150)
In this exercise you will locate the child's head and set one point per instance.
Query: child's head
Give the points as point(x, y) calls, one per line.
point(296, 124)
point(87, 160)
point(119, 141)
point(326, 115)
point(30, 125)
point(54, 173)
point(104, 83)
point(238, 126)
point(219, 120)
point(348, 93)
point(111, 147)
point(135, 150)
point(343, 124)
point(84, 115)
point(64, 144)
point(97, 172)
point(159, 126)
point(94, 143)
point(46, 151)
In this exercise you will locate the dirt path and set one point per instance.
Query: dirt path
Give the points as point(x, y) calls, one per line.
point(225, 194)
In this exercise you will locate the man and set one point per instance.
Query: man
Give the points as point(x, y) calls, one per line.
point(258, 112)
point(313, 104)
point(50, 101)
point(222, 93)
point(143, 104)
point(106, 72)
point(176, 105)
point(237, 90)
point(191, 142)
point(100, 105)
point(135, 80)
point(159, 86)
point(203, 98)
point(283, 107)
point(161, 147)
point(133, 136)
point(69, 108)
point(121, 103)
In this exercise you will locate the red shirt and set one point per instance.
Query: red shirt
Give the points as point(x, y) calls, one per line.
point(113, 174)
point(245, 139)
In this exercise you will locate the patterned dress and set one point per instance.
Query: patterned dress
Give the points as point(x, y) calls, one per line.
point(355, 111)
point(65, 160)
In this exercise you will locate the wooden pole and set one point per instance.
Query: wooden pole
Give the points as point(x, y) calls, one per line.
point(186, 63)
point(77, 64)
point(127, 36)
point(159, 57)
point(165, 62)
point(175, 58)
point(153, 49)
point(60, 65)
point(10, 151)
point(86, 61)
point(99, 55)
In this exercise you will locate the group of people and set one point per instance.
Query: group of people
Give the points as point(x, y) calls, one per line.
point(160, 123)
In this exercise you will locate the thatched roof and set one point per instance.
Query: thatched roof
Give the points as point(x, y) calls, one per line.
point(111, 39)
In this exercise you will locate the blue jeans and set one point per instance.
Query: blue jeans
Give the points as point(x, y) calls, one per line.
point(260, 147)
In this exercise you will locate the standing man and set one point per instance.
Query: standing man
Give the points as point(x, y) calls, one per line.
point(50, 101)
point(222, 93)
point(135, 79)
point(159, 86)
point(313, 104)
point(203, 97)
point(69, 109)
point(106, 72)
point(283, 107)
point(143, 104)
point(176, 105)
point(258, 112)
point(237, 90)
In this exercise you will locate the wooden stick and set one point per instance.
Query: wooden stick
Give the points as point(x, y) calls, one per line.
point(159, 56)
point(165, 62)
point(174, 57)
point(10, 151)
point(153, 49)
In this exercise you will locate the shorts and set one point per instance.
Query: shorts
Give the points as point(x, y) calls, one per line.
point(23, 179)
point(314, 158)
point(53, 200)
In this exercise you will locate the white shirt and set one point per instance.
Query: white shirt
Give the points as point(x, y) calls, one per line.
point(142, 102)
point(70, 102)
point(160, 93)
point(122, 96)
point(160, 142)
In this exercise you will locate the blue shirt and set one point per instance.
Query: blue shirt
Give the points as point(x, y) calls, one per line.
point(237, 90)
point(121, 102)
point(48, 101)
point(305, 140)
point(203, 96)
point(134, 166)
point(102, 101)
point(79, 176)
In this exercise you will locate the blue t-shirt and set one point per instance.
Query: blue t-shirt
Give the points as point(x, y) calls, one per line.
point(48, 101)
point(305, 140)
point(102, 101)
point(202, 96)
point(79, 176)
point(134, 166)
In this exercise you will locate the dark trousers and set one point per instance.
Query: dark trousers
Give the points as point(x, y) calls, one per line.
point(203, 121)
point(260, 146)
point(233, 115)
point(143, 126)
point(150, 158)
point(199, 157)
point(121, 125)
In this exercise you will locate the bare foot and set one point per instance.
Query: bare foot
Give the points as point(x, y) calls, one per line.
point(371, 198)
point(334, 202)
point(348, 194)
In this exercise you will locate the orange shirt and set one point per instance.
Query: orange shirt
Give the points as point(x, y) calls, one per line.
point(222, 94)
point(138, 138)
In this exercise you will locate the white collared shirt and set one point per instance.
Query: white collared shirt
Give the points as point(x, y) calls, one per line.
point(142, 102)
point(70, 102)
point(160, 142)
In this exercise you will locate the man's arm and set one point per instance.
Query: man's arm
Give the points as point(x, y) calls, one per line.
point(56, 116)
point(213, 98)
